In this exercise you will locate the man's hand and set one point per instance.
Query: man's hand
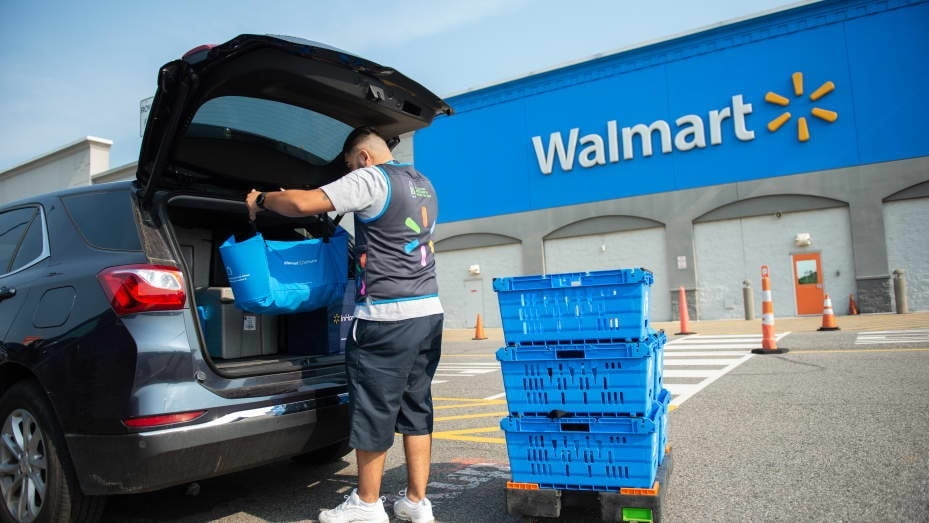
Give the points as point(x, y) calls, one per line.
point(250, 203)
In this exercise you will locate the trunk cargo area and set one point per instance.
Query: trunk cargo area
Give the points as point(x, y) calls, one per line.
point(239, 342)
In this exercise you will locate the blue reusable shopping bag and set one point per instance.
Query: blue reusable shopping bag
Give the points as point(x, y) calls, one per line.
point(283, 277)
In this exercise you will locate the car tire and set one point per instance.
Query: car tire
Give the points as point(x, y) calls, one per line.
point(329, 454)
point(27, 423)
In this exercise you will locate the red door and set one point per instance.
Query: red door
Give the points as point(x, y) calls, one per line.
point(808, 282)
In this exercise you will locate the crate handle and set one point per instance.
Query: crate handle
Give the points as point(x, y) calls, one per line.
point(558, 414)
point(569, 354)
point(575, 427)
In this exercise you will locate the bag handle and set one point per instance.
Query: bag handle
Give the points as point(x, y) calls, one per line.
point(335, 225)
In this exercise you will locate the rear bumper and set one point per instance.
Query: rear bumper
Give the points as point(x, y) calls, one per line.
point(131, 463)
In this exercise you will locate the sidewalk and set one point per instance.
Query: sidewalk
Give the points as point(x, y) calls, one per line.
point(861, 322)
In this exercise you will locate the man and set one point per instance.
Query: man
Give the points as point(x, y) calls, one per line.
point(395, 342)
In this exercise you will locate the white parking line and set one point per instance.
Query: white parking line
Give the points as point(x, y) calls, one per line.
point(893, 336)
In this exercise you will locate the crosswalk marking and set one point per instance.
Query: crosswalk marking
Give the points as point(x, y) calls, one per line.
point(672, 362)
point(471, 368)
point(463, 369)
point(740, 344)
point(720, 353)
point(683, 373)
point(703, 353)
point(893, 336)
point(683, 389)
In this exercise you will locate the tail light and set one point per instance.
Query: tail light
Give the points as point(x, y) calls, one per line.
point(162, 419)
point(142, 288)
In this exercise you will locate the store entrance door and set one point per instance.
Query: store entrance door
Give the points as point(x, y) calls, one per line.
point(808, 282)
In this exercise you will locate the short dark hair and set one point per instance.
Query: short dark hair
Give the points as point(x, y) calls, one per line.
point(361, 133)
point(357, 136)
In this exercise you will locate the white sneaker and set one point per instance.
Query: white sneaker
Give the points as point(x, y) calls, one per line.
point(355, 510)
point(416, 512)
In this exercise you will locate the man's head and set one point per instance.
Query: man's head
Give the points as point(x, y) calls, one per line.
point(364, 147)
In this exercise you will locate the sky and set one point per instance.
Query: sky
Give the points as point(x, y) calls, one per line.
point(70, 69)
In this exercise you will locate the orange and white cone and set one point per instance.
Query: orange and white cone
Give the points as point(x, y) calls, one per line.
point(768, 337)
point(829, 323)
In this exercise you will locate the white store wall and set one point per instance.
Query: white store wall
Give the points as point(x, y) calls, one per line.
point(72, 165)
point(463, 295)
point(618, 250)
point(906, 224)
point(730, 251)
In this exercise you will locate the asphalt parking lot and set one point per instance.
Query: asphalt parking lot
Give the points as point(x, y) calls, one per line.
point(833, 430)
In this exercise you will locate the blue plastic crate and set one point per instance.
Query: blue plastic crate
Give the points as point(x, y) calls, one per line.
point(565, 309)
point(620, 379)
point(587, 453)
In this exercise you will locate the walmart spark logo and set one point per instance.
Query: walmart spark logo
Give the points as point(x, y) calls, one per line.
point(413, 226)
point(803, 130)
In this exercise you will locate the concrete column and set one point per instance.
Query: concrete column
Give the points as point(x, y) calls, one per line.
point(748, 300)
point(900, 292)
point(533, 254)
point(869, 249)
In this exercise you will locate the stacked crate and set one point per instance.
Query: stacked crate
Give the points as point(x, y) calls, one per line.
point(582, 375)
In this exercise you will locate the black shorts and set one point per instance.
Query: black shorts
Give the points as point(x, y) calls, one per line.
point(390, 368)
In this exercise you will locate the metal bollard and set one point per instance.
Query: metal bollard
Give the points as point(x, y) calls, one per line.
point(748, 300)
point(900, 292)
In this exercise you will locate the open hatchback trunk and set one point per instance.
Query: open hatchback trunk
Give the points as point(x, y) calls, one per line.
point(267, 113)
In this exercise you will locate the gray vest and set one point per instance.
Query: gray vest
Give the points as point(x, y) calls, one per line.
point(395, 259)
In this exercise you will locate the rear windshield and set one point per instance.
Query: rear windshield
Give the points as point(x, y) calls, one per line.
point(316, 137)
point(104, 219)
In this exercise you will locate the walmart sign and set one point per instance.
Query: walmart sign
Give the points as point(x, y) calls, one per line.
point(689, 132)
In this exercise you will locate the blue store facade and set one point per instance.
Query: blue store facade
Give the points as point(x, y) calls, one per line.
point(795, 140)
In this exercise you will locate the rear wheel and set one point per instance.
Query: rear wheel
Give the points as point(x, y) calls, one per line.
point(324, 455)
point(36, 480)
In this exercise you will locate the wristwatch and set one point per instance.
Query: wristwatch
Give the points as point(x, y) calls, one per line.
point(260, 200)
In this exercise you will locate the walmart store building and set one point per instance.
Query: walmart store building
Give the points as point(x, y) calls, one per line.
point(796, 140)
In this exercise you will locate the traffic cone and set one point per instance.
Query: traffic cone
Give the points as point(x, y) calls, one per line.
point(479, 329)
point(852, 306)
point(768, 337)
point(829, 323)
point(682, 312)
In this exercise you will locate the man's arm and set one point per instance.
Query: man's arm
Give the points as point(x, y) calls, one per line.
point(293, 203)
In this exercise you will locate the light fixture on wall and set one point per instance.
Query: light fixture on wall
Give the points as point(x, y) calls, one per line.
point(474, 270)
point(803, 239)
point(602, 246)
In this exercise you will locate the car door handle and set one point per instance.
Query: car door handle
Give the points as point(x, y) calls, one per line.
point(7, 292)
